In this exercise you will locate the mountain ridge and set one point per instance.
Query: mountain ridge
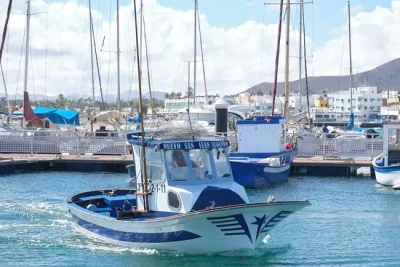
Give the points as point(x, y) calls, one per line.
point(385, 76)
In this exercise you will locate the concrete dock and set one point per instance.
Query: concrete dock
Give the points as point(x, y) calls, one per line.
point(10, 163)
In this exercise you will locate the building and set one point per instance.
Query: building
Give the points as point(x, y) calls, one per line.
point(179, 103)
point(367, 103)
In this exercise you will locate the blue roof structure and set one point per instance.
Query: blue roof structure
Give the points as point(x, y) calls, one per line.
point(134, 138)
point(58, 116)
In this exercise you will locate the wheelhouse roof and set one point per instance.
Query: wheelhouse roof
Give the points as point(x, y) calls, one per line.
point(172, 143)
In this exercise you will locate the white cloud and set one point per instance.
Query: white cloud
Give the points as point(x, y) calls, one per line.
point(233, 56)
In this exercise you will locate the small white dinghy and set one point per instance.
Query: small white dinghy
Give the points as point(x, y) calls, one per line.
point(185, 200)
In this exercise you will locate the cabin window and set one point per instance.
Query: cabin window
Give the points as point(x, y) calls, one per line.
point(173, 200)
point(221, 163)
point(177, 164)
point(201, 165)
point(154, 164)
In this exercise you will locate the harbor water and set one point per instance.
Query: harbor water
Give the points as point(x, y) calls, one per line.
point(352, 222)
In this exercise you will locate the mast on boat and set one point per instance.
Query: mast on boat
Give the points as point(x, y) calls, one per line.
point(351, 65)
point(195, 52)
point(1, 54)
point(28, 18)
point(286, 104)
point(202, 56)
point(277, 57)
point(300, 47)
point(91, 54)
point(143, 154)
point(118, 64)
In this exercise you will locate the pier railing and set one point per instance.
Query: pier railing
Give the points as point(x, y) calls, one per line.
point(57, 142)
point(340, 148)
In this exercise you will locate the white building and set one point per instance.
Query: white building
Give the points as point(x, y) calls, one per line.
point(390, 113)
point(367, 103)
point(176, 104)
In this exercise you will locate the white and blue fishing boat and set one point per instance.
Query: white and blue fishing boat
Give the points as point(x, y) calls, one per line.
point(185, 200)
point(387, 165)
point(263, 156)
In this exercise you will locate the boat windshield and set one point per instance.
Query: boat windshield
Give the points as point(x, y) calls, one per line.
point(178, 169)
point(201, 164)
point(221, 163)
point(183, 164)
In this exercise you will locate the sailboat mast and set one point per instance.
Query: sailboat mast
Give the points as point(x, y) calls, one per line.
point(28, 17)
point(202, 58)
point(300, 47)
point(351, 64)
point(141, 39)
point(1, 53)
point(195, 52)
point(118, 63)
point(285, 113)
point(278, 45)
point(143, 154)
point(91, 52)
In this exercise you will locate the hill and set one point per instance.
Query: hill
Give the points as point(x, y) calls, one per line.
point(386, 76)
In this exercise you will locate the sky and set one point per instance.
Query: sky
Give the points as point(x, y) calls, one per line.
point(239, 41)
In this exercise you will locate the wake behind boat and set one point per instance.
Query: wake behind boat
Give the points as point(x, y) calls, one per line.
point(185, 200)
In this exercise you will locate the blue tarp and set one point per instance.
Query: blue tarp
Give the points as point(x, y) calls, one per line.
point(351, 122)
point(135, 120)
point(58, 116)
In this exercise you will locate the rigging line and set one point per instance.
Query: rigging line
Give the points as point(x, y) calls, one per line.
point(181, 56)
point(45, 58)
point(147, 63)
point(262, 44)
point(20, 63)
point(97, 60)
point(202, 55)
point(277, 57)
point(305, 67)
point(109, 50)
point(33, 74)
point(5, 28)
point(80, 77)
point(341, 58)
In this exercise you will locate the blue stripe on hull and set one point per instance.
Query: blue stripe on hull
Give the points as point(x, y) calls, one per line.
point(387, 169)
point(135, 237)
point(252, 174)
point(292, 153)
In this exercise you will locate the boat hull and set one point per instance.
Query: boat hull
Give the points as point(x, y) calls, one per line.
point(229, 228)
point(386, 175)
point(252, 174)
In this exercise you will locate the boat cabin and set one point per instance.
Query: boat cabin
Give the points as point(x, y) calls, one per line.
point(391, 144)
point(184, 175)
point(260, 134)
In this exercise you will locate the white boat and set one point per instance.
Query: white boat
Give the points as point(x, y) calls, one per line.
point(187, 201)
point(387, 165)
